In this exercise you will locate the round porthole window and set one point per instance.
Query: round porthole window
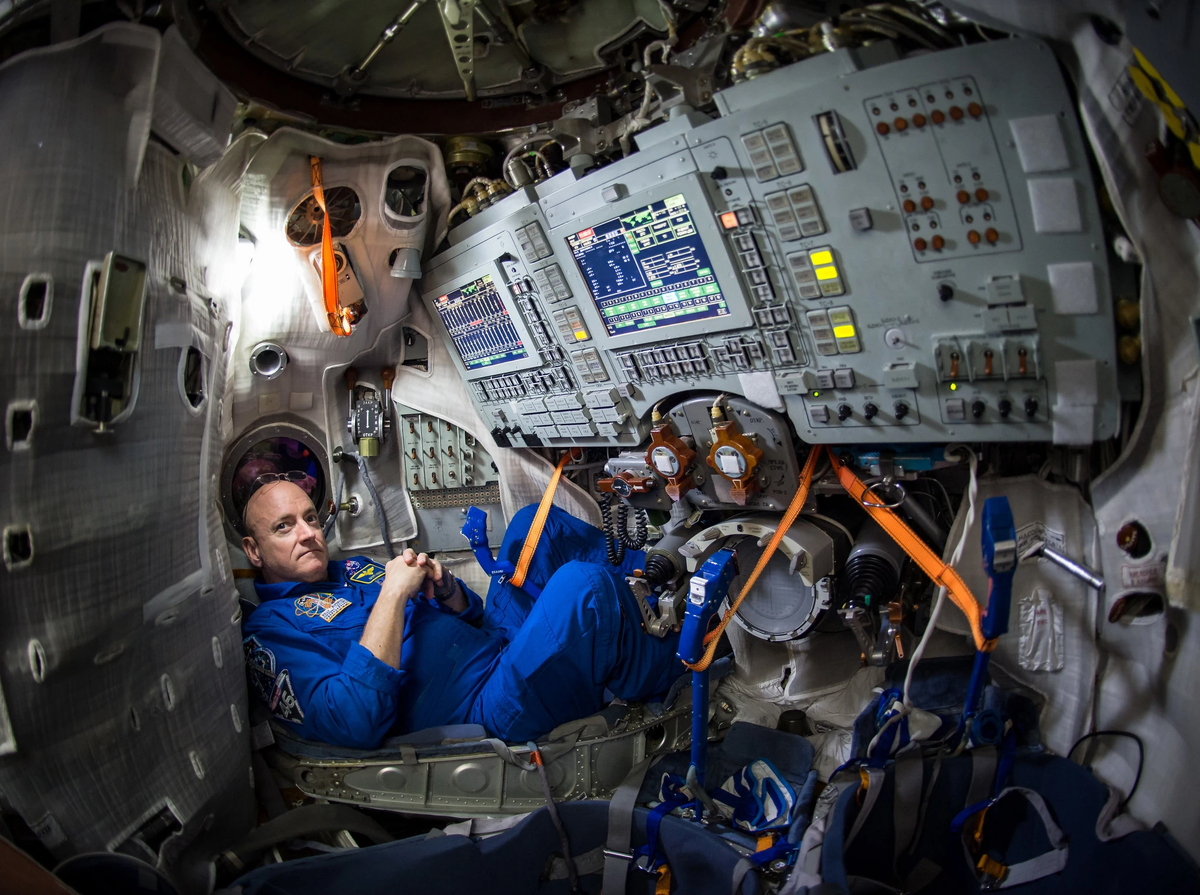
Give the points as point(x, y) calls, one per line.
point(268, 452)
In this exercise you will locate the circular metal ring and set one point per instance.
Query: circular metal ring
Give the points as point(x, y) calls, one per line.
point(871, 483)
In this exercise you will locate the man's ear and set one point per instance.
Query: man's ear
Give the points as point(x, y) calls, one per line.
point(251, 547)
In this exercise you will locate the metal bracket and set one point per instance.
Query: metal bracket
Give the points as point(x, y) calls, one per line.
point(458, 18)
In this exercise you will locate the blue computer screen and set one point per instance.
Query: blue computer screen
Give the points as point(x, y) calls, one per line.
point(479, 324)
point(648, 268)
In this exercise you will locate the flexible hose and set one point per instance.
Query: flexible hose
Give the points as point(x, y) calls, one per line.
point(615, 549)
point(379, 512)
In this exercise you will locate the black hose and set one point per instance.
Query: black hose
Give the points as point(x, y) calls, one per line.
point(615, 549)
point(641, 527)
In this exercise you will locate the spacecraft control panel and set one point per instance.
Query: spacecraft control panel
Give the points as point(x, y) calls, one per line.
point(905, 253)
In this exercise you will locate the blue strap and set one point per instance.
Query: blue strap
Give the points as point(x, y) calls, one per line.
point(960, 820)
point(475, 531)
point(655, 858)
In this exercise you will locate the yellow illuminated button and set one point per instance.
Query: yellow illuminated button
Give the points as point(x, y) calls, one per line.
point(827, 273)
point(845, 333)
point(821, 256)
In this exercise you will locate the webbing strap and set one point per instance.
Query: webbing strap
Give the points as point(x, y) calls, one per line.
point(329, 287)
point(789, 517)
point(983, 772)
point(539, 522)
point(874, 781)
point(617, 855)
point(931, 564)
point(1048, 862)
point(909, 771)
point(740, 869)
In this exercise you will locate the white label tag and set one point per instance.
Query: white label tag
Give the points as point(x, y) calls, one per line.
point(1028, 535)
point(1041, 632)
point(338, 605)
point(1149, 575)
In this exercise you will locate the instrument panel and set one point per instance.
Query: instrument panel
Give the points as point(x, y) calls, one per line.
point(905, 253)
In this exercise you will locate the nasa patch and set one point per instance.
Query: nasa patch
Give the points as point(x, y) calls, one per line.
point(283, 702)
point(321, 605)
point(352, 566)
point(369, 574)
point(260, 668)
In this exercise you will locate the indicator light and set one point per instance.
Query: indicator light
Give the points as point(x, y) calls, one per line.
point(827, 273)
point(953, 386)
point(823, 256)
point(729, 220)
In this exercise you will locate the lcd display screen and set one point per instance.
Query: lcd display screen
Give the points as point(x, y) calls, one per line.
point(479, 325)
point(648, 268)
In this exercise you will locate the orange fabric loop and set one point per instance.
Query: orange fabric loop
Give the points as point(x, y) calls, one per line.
point(338, 321)
point(539, 522)
point(663, 886)
point(789, 517)
point(931, 564)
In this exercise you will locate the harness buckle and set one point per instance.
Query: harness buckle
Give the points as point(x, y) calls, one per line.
point(993, 872)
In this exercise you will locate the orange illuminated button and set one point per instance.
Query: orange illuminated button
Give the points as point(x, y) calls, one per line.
point(938, 242)
point(919, 120)
point(956, 113)
point(919, 244)
point(963, 197)
point(981, 194)
point(900, 124)
point(910, 206)
point(991, 235)
point(975, 109)
point(973, 237)
point(926, 203)
point(882, 128)
point(938, 116)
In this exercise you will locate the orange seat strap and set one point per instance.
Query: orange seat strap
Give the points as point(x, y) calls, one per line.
point(539, 522)
point(931, 564)
point(789, 517)
point(329, 287)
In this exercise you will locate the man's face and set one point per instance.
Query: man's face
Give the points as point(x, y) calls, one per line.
point(285, 539)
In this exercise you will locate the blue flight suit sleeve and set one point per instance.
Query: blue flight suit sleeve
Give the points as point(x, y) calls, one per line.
point(473, 614)
point(304, 681)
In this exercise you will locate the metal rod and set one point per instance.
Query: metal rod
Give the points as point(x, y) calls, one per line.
point(1080, 571)
point(388, 35)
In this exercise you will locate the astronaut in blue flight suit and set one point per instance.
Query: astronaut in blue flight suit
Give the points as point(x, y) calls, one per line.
point(349, 652)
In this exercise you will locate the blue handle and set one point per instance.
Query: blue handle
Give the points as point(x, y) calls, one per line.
point(1000, 563)
point(475, 531)
point(707, 589)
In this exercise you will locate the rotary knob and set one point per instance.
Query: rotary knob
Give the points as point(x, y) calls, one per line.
point(869, 410)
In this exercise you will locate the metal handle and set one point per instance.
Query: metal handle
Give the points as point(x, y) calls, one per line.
point(889, 482)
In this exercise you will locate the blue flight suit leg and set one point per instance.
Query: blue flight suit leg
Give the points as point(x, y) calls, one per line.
point(583, 635)
point(564, 539)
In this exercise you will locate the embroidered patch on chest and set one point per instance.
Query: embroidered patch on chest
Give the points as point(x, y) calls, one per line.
point(352, 566)
point(322, 605)
point(369, 574)
point(260, 663)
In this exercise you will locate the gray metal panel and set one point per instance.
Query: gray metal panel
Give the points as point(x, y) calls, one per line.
point(906, 384)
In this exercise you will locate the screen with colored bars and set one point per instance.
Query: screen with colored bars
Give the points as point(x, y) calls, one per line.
point(648, 268)
point(480, 326)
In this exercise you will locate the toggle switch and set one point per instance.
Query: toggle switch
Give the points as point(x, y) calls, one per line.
point(977, 409)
